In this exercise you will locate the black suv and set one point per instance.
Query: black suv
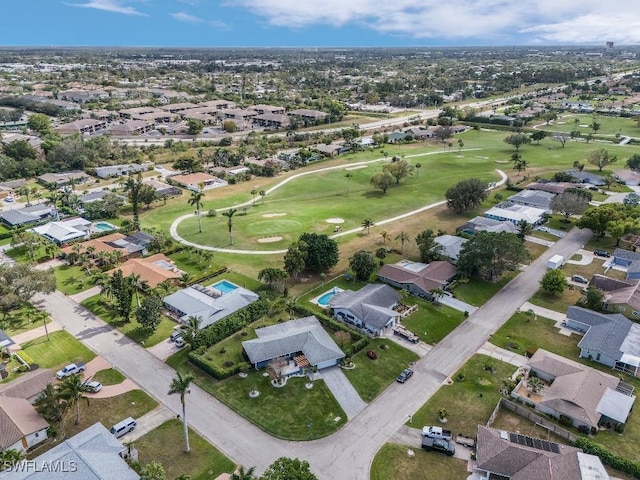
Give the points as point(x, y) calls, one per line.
point(602, 253)
point(404, 376)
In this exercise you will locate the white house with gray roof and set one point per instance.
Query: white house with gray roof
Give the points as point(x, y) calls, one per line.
point(450, 246)
point(370, 308)
point(122, 170)
point(209, 304)
point(533, 198)
point(610, 339)
point(92, 454)
point(304, 341)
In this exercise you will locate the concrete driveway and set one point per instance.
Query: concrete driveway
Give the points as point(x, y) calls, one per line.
point(456, 304)
point(343, 391)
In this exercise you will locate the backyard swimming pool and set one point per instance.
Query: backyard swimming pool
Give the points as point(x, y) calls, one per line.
point(323, 300)
point(224, 286)
point(103, 227)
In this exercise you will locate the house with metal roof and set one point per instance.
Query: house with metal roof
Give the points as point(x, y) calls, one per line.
point(98, 196)
point(571, 390)
point(484, 224)
point(419, 279)
point(513, 456)
point(586, 177)
point(92, 454)
point(514, 213)
point(64, 231)
point(303, 341)
point(370, 308)
point(27, 215)
point(450, 246)
point(208, 303)
point(610, 338)
point(122, 170)
point(533, 198)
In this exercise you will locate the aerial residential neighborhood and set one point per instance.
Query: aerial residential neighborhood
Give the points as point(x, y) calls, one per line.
point(390, 261)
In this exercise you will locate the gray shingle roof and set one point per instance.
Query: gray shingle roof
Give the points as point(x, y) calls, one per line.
point(372, 303)
point(304, 335)
point(95, 452)
point(606, 332)
point(626, 254)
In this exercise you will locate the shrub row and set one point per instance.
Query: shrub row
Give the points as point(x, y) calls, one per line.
point(608, 458)
point(217, 372)
point(25, 358)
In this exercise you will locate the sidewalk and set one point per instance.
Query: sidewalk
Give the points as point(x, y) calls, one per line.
point(502, 354)
point(543, 312)
point(37, 332)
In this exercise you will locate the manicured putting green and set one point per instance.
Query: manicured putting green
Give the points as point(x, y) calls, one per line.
point(272, 227)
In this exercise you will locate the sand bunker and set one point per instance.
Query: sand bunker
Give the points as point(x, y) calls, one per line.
point(271, 215)
point(269, 239)
point(501, 161)
point(335, 220)
point(357, 167)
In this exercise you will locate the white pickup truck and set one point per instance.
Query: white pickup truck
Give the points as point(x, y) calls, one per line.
point(436, 432)
point(70, 370)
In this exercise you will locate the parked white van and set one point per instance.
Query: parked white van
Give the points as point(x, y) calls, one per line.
point(125, 426)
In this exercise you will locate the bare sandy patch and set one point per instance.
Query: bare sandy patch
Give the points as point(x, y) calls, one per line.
point(357, 167)
point(335, 220)
point(272, 215)
point(501, 161)
point(269, 239)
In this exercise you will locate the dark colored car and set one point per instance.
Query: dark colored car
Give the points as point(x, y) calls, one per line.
point(405, 375)
point(602, 253)
point(579, 279)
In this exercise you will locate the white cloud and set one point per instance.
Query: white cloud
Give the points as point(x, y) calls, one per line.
point(488, 21)
point(115, 6)
point(189, 18)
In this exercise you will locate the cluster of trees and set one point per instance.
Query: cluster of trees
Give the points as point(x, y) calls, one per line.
point(20, 282)
point(613, 218)
point(466, 195)
point(313, 252)
point(391, 173)
point(490, 254)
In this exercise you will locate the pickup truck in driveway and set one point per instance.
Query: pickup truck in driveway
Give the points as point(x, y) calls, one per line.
point(70, 370)
point(436, 432)
point(438, 445)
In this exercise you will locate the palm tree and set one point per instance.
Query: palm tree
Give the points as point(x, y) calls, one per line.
point(368, 223)
point(153, 471)
point(242, 474)
point(133, 186)
point(254, 192)
point(263, 194)
point(163, 288)
point(71, 390)
point(196, 201)
point(418, 167)
point(180, 385)
point(229, 214)
point(191, 332)
point(385, 236)
point(25, 191)
point(404, 238)
point(348, 176)
point(138, 284)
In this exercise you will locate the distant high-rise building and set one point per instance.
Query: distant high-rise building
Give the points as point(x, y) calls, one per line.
point(610, 45)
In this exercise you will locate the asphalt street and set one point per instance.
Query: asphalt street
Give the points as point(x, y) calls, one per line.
point(347, 454)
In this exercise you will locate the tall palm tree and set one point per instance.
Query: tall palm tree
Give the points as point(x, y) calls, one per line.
point(138, 284)
point(263, 194)
point(71, 390)
point(229, 214)
point(133, 186)
point(180, 385)
point(242, 474)
point(404, 238)
point(385, 236)
point(368, 223)
point(196, 201)
point(254, 192)
point(348, 176)
point(191, 332)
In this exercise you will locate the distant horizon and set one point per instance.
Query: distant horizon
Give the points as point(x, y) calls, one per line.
point(319, 24)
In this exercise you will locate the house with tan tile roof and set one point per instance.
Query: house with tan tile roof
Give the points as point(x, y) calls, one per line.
point(192, 181)
point(153, 270)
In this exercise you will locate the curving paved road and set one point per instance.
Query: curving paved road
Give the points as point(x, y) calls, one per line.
point(346, 455)
point(173, 229)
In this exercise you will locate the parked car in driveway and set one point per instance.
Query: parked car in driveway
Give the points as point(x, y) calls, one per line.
point(579, 279)
point(70, 370)
point(543, 229)
point(404, 376)
point(601, 253)
point(93, 386)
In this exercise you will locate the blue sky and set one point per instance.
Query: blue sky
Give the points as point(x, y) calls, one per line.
point(220, 23)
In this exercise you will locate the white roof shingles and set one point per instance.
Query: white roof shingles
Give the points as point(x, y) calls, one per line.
point(304, 335)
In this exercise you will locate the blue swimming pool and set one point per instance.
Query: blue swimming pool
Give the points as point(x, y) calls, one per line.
point(103, 227)
point(323, 300)
point(224, 286)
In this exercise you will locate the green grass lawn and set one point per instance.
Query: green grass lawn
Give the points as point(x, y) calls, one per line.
point(431, 322)
point(165, 445)
point(468, 401)
point(609, 126)
point(392, 463)
point(60, 350)
point(21, 320)
point(107, 411)
point(131, 329)
point(521, 332)
point(109, 376)
point(371, 377)
point(71, 279)
point(282, 412)
point(558, 303)
point(21, 254)
point(476, 291)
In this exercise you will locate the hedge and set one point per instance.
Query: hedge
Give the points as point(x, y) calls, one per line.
point(25, 358)
point(608, 458)
point(219, 373)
